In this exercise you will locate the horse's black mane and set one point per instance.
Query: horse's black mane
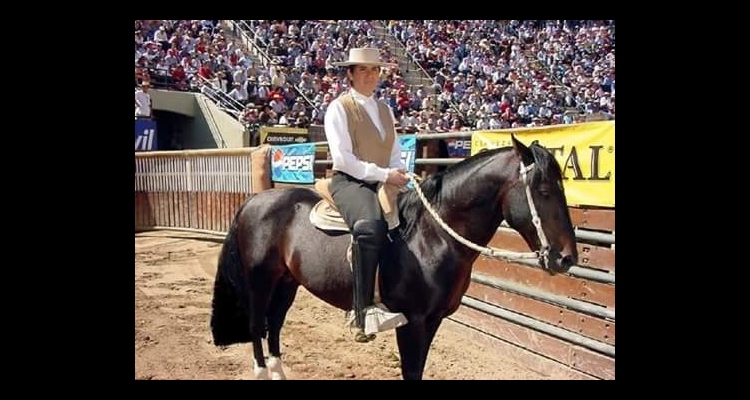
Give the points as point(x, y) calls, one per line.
point(411, 206)
point(546, 166)
point(412, 209)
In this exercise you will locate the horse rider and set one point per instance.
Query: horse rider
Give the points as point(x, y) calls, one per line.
point(362, 140)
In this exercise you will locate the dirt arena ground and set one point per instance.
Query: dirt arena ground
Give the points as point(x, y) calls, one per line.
point(173, 287)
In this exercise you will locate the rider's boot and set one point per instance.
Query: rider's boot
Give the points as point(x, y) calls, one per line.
point(369, 237)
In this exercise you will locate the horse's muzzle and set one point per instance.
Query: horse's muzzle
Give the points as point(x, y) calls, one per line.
point(568, 261)
point(557, 262)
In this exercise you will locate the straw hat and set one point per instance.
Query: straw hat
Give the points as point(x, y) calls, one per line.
point(364, 56)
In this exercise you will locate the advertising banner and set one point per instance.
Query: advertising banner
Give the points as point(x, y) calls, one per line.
point(408, 150)
point(586, 153)
point(458, 147)
point(408, 153)
point(293, 163)
point(145, 135)
point(274, 135)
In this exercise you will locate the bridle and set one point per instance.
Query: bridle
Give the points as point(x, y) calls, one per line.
point(542, 254)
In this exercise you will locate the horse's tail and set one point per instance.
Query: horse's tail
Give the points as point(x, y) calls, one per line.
point(232, 305)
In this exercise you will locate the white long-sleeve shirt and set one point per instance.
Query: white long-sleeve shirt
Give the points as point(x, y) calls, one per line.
point(340, 143)
point(142, 103)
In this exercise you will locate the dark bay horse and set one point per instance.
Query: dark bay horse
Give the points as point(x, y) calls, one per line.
point(272, 248)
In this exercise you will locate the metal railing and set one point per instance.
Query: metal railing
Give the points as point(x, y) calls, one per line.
point(411, 60)
point(259, 48)
point(222, 99)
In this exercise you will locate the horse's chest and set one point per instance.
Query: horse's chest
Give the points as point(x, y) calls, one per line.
point(458, 288)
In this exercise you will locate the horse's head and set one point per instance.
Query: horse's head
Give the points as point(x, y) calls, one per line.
point(537, 209)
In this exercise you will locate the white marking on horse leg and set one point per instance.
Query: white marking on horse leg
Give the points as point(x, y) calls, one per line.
point(261, 373)
point(277, 372)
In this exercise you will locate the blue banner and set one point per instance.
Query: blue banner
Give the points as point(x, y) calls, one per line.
point(408, 150)
point(293, 163)
point(145, 134)
point(459, 147)
point(408, 153)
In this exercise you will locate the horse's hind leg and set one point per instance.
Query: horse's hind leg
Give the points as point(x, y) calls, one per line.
point(282, 299)
point(261, 299)
point(260, 369)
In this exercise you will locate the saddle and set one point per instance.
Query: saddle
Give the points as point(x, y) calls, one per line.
point(324, 215)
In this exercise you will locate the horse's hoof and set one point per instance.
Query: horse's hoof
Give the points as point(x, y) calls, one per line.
point(362, 338)
point(275, 369)
point(261, 374)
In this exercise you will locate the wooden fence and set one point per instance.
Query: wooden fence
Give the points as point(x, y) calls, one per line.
point(195, 189)
point(566, 319)
point(549, 323)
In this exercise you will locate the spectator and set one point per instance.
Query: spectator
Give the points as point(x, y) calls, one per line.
point(239, 93)
point(161, 37)
point(267, 116)
point(287, 118)
point(250, 114)
point(143, 101)
point(298, 106)
point(302, 120)
point(179, 77)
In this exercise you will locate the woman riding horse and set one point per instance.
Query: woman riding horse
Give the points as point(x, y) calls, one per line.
point(362, 141)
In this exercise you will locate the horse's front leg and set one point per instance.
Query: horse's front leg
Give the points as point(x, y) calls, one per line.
point(430, 328)
point(414, 341)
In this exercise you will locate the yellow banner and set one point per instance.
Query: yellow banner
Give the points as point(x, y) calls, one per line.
point(586, 153)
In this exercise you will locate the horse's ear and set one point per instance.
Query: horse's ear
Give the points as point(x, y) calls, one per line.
point(522, 150)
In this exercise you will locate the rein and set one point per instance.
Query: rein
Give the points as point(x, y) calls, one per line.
point(493, 251)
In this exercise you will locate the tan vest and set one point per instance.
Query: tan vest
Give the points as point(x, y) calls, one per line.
point(366, 142)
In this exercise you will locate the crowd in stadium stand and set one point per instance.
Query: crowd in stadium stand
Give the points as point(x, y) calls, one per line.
point(497, 74)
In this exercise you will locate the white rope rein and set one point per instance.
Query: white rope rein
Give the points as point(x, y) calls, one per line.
point(486, 251)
